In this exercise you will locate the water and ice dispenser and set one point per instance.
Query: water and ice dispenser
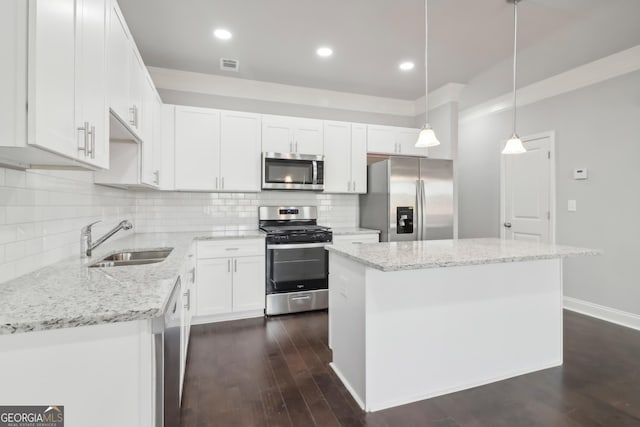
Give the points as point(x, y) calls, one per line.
point(404, 218)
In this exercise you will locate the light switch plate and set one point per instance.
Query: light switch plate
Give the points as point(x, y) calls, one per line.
point(571, 206)
point(580, 173)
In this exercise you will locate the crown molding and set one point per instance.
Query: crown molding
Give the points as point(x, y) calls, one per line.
point(441, 96)
point(606, 68)
point(234, 87)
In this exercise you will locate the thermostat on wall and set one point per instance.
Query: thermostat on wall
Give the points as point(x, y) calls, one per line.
point(580, 173)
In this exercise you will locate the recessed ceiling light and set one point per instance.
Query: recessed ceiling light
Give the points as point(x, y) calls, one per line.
point(222, 34)
point(324, 51)
point(406, 66)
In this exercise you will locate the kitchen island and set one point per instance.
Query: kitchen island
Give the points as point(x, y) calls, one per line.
point(414, 320)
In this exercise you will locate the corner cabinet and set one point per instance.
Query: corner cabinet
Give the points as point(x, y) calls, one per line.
point(345, 157)
point(393, 140)
point(216, 150)
point(230, 279)
point(59, 45)
point(282, 134)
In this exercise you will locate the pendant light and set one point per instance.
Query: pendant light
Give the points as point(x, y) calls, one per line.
point(426, 138)
point(514, 145)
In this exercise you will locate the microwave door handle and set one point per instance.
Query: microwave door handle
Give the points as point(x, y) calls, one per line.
point(315, 171)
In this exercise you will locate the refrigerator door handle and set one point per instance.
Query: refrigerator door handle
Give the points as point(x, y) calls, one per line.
point(423, 211)
point(418, 213)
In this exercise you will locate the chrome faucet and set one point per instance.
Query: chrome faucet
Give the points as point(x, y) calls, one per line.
point(86, 244)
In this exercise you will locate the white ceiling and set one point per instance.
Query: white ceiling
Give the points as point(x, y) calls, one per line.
point(275, 40)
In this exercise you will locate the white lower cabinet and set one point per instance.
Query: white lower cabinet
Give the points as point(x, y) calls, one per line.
point(230, 279)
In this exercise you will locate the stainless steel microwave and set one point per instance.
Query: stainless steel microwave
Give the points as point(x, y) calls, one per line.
point(287, 171)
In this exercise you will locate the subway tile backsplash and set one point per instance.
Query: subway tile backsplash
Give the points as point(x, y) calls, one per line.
point(41, 213)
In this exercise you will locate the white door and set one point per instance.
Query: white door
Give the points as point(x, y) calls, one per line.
point(337, 152)
point(308, 137)
point(358, 158)
point(381, 139)
point(276, 135)
point(197, 147)
point(214, 286)
point(137, 81)
point(240, 144)
point(527, 191)
point(248, 283)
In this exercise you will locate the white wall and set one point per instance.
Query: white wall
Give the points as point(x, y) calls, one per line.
point(217, 212)
point(597, 127)
point(41, 213)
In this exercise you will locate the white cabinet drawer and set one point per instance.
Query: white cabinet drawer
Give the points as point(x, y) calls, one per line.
point(356, 238)
point(230, 248)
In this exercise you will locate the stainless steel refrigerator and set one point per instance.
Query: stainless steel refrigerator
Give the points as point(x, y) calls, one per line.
point(409, 198)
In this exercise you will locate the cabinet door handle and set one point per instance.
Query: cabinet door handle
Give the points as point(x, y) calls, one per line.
point(222, 183)
point(188, 295)
point(132, 111)
point(216, 182)
point(157, 175)
point(193, 275)
point(235, 265)
point(228, 266)
point(354, 186)
point(93, 142)
point(84, 129)
point(296, 146)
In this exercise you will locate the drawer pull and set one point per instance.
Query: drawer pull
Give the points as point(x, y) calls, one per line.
point(300, 298)
point(232, 249)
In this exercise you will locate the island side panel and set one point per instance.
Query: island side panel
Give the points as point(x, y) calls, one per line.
point(347, 323)
point(436, 331)
point(102, 374)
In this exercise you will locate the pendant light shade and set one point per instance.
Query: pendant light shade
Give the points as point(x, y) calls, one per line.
point(426, 138)
point(514, 145)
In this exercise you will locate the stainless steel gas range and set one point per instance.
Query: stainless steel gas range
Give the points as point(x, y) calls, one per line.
point(297, 263)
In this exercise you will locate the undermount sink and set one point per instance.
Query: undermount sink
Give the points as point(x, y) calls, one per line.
point(125, 258)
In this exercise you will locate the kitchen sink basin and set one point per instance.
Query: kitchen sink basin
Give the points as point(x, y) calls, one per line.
point(125, 258)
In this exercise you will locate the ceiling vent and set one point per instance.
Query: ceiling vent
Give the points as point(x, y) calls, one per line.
point(227, 64)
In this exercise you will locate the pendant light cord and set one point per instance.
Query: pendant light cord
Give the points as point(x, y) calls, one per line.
point(515, 56)
point(426, 66)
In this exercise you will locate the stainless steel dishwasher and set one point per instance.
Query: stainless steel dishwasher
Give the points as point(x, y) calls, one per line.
point(167, 350)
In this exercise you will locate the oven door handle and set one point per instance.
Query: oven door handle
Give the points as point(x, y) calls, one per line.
point(299, 245)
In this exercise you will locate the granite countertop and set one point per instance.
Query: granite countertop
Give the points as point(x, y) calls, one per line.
point(345, 231)
point(395, 256)
point(70, 294)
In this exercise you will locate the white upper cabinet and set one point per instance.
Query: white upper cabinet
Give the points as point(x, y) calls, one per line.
point(127, 75)
point(91, 80)
point(216, 150)
point(59, 45)
point(358, 158)
point(393, 140)
point(52, 77)
point(239, 157)
point(345, 157)
point(149, 167)
point(119, 58)
point(407, 138)
point(197, 147)
point(292, 135)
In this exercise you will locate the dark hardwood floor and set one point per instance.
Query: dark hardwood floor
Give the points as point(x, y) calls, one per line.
point(275, 372)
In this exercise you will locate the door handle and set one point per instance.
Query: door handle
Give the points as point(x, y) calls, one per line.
point(228, 266)
point(85, 129)
point(235, 265)
point(507, 225)
point(222, 181)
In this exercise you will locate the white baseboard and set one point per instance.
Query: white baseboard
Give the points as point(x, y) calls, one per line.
point(602, 312)
point(201, 320)
point(346, 384)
